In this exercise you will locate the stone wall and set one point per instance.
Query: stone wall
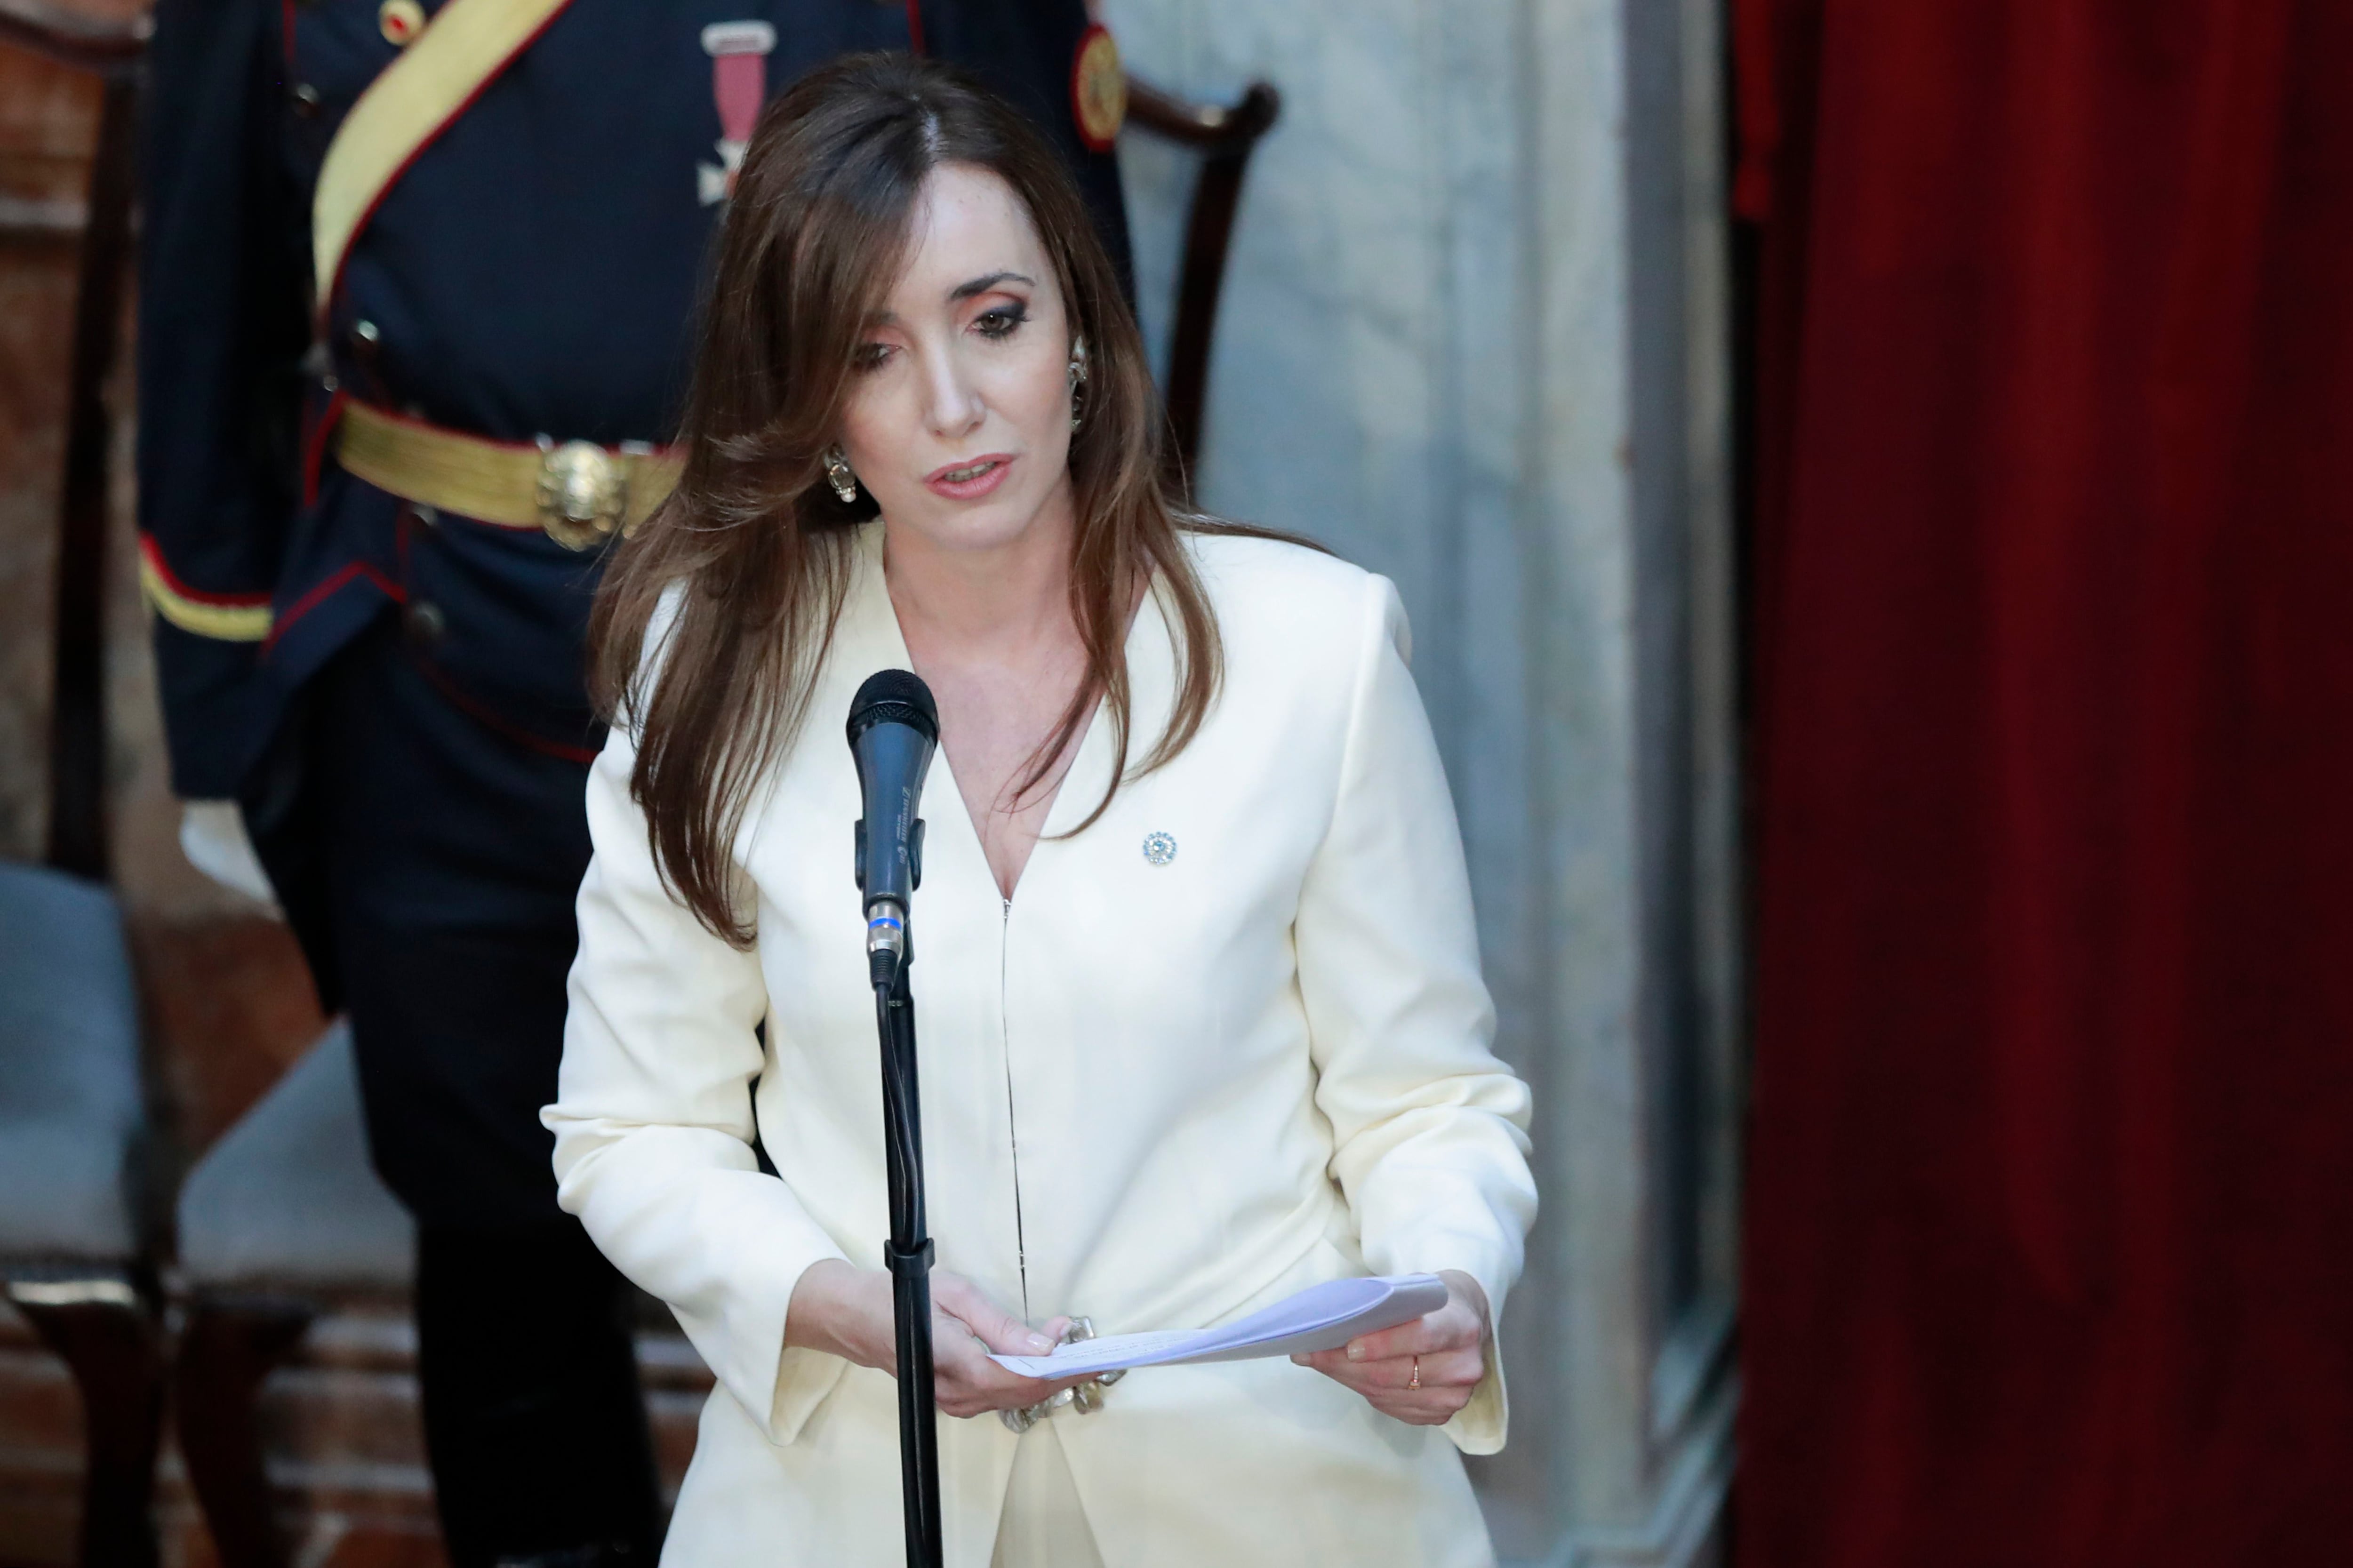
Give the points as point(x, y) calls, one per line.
point(1474, 338)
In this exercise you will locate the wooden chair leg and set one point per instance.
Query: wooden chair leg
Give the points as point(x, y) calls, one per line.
point(107, 1337)
point(226, 1349)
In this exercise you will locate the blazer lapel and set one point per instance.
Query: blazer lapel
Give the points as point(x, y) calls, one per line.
point(1151, 685)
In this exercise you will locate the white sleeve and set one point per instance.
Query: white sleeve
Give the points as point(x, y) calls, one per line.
point(1428, 1126)
point(653, 1119)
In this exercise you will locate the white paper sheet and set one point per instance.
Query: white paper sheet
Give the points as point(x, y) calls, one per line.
point(1320, 1318)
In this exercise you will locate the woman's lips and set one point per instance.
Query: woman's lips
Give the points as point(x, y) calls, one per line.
point(971, 479)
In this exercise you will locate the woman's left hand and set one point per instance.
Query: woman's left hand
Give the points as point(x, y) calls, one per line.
point(1422, 1372)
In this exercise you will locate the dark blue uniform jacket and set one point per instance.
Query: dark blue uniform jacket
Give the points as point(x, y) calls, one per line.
point(535, 272)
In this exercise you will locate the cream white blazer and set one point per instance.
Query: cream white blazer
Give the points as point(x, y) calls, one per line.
point(1156, 1094)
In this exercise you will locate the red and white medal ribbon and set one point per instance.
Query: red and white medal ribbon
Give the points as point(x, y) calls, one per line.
point(739, 85)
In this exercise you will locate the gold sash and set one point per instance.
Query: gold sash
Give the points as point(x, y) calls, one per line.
point(410, 103)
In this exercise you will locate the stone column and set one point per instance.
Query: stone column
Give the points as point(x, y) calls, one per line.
point(1474, 337)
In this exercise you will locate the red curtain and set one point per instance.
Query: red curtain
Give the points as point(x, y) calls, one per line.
point(2051, 1200)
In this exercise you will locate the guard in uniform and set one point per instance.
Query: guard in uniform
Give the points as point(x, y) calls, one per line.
point(416, 304)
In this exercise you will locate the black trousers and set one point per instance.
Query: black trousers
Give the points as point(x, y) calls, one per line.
point(429, 863)
point(533, 1414)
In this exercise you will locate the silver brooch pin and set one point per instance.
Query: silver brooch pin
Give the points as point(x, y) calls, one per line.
point(1159, 848)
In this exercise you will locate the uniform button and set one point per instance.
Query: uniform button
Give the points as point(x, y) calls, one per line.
point(427, 624)
point(306, 99)
point(400, 21)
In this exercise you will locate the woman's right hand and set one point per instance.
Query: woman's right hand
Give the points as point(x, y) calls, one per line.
point(844, 1310)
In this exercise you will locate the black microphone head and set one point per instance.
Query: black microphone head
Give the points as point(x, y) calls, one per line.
point(894, 697)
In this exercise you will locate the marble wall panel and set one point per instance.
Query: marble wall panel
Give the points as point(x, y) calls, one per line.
point(1472, 338)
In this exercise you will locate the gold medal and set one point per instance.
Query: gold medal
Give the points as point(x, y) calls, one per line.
point(400, 21)
point(1098, 89)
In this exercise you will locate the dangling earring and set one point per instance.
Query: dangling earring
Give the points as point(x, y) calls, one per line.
point(1078, 373)
point(837, 475)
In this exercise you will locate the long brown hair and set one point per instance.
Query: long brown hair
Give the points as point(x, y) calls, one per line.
point(759, 545)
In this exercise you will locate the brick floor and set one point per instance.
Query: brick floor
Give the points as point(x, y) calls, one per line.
point(343, 1444)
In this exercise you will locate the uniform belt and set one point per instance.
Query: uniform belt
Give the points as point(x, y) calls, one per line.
point(577, 491)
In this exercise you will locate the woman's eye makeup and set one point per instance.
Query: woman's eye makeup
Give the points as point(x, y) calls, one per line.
point(1001, 321)
point(996, 323)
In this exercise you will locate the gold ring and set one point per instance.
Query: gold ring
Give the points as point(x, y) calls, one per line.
point(1415, 1380)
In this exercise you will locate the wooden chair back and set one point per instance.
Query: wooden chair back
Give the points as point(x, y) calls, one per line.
point(114, 52)
point(1225, 136)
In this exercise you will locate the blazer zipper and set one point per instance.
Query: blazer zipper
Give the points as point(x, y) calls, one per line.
point(1012, 1129)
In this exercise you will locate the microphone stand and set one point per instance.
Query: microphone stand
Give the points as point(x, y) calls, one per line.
point(894, 725)
point(908, 1253)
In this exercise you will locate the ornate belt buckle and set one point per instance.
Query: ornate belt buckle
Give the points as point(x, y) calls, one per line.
point(1086, 1398)
point(584, 492)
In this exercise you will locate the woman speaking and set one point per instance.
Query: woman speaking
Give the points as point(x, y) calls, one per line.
point(1203, 1023)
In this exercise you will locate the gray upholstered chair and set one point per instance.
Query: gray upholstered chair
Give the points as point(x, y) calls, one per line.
point(282, 1213)
point(72, 1236)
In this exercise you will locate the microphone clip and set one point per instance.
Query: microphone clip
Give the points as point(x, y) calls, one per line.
point(886, 916)
point(914, 856)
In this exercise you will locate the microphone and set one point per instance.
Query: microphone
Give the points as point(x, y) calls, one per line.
point(893, 727)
